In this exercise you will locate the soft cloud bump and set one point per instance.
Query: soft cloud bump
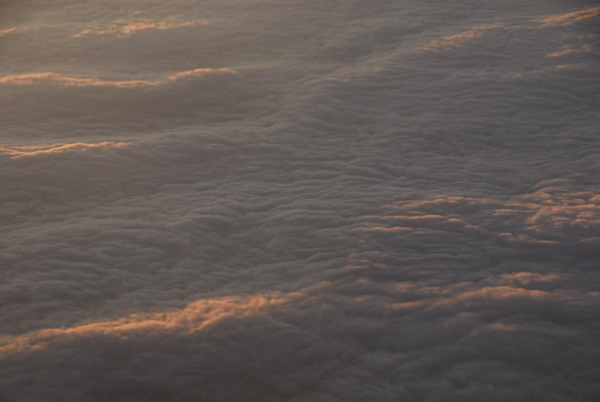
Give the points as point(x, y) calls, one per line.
point(124, 28)
point(33, 78)
point(299, 201)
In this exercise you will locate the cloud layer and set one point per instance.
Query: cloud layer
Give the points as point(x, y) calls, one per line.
point(299, 201)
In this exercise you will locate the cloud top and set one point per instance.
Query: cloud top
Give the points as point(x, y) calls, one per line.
point(299, 201)
point(569, 18)
point(66, 80)
point(124, 28)
point(35, 150)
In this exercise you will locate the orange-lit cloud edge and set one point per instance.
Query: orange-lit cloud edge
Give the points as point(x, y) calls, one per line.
point(124, 28)
point(569, 18)
point(201, 315)
point(37, 150)
point(69, 80)
point(547, 209)
point(459, 39)
point(536, 218)
point(7, 31)
point(195, 317)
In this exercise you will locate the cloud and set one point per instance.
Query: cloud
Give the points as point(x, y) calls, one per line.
point(124, 28)
point(568, 50)
point(476, 32)
point(62, 103)
point(6, 31)
point(195, 317)
point(35, 150)
point(296, 202)
point(463, 37)
point(33, 78)
point(569, 18)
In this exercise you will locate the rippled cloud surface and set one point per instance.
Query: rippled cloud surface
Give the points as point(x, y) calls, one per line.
point(299, 200)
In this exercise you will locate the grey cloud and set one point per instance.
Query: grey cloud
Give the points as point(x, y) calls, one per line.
point(299, 201)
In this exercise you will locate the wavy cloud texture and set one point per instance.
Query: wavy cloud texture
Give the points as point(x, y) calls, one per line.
point(299, 201)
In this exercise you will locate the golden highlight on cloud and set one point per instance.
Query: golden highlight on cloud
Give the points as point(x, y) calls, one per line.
point(347, 218)
point(36, 150)
point(352, 75)
point(476, 32)
point(7, 31)
point(544, 216)
point(568, 50)
point(125, 28)
point(460, 39)
point(564, 211)
point(528, 278)
point(197, 316)
point(69, 80)
point(569, 18)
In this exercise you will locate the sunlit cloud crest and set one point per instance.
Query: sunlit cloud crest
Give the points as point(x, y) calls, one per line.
point(69, 80)
point(569, 18)
point(37, 150)
point(197, 316)
point(125, 28)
